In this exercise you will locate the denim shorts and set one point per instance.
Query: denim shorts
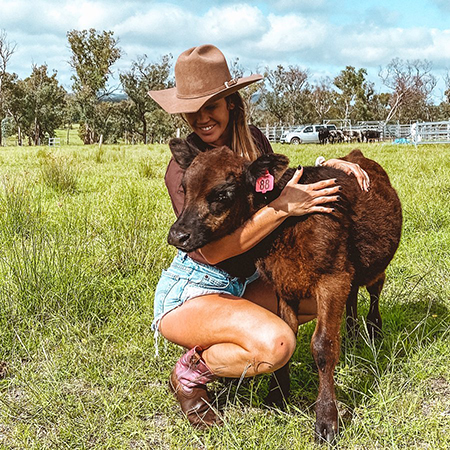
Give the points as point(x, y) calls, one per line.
point(186, 279)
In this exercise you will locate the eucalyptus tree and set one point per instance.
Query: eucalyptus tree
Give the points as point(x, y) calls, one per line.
point(93, 55)
point(354, 94)
point(142, 77)
point(287, 96)
point(412, 84)
point(7, 48)
point(35, 104)
point(45, 103)
point(323, 100)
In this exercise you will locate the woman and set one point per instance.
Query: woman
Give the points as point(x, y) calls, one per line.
point(230, 325)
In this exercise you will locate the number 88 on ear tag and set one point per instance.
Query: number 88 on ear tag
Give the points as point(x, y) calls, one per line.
point(264, 183)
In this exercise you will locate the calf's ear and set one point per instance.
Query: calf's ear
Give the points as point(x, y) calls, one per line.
point(183, 152)
point(275, 163)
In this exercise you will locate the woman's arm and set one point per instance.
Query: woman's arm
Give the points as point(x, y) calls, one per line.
point(294, 200)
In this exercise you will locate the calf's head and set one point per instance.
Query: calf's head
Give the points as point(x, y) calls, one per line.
point(220, 192)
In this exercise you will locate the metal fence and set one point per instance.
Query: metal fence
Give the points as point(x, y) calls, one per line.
point(274, 133)
point(431, 133)
point(415, 133)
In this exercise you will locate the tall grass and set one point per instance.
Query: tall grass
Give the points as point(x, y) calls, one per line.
point(79, 263)
point(59, 173)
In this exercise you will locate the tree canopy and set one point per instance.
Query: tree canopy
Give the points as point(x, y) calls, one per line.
point(34, 107)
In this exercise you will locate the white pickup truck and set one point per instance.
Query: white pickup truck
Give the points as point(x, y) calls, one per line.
point(305, 135)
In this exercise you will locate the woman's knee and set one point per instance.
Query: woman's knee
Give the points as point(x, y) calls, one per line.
point(274, 347)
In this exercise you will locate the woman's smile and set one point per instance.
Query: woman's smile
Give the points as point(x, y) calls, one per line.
point(211, 121)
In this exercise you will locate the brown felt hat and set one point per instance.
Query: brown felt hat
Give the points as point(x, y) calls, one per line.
point(201, 74)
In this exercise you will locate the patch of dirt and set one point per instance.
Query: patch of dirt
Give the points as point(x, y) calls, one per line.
point(438, 400)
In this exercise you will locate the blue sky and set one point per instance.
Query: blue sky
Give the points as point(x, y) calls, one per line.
point(322, 36)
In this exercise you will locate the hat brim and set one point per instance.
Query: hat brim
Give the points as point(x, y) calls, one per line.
point(172, 104)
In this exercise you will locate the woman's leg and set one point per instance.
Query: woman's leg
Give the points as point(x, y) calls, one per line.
point(238, 336)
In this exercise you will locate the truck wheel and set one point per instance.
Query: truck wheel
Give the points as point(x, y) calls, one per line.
point(295, 141)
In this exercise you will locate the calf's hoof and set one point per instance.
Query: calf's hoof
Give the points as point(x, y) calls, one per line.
point(326, 432)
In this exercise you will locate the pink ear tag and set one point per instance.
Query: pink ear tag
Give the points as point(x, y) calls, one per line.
point(264, 183)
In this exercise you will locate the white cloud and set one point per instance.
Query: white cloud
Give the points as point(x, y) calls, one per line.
point(252, 30)
point(292, 33)
point(232, 24)
point(302, 6)
point(161, 23)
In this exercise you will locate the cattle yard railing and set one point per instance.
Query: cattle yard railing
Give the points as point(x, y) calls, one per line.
point(274, 133)
point(431, 132)
point(415, 132)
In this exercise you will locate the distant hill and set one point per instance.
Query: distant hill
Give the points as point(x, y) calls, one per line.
point(115, 98)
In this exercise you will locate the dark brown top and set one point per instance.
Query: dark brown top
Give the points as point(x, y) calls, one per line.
point(174, 175)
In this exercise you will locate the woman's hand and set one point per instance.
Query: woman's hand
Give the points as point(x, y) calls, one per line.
point(300, 199)
point(351, 168)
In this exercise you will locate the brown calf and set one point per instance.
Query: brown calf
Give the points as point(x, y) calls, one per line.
point(326, 257)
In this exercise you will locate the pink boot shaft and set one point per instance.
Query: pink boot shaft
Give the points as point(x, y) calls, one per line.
point(188, 382)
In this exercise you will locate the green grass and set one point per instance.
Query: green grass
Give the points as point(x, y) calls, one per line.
point(79, 266)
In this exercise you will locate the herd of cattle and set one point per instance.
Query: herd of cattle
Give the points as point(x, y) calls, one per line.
point(336, 136)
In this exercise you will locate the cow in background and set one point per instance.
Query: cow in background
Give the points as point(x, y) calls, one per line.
point(352, 136)
point(324, 135)
point(371, 135)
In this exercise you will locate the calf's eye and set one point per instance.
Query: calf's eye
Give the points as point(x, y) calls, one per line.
point(220, 202)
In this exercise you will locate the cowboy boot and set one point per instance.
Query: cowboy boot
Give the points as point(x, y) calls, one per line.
point(188, 382)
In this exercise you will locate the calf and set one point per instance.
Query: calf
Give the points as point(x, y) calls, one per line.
point(325, 257)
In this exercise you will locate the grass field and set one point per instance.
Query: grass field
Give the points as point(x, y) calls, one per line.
point(83, 241)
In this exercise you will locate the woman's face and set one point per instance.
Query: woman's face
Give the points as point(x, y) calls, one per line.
point(211, 121)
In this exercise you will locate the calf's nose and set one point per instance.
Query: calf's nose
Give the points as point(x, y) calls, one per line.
point(178, 237)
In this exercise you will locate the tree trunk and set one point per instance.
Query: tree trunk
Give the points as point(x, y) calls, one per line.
point(144, 129)
point(36, 132)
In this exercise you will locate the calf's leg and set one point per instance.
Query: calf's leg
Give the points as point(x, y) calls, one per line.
point(279, 387)
point(332, 294)
point(352, 312)
point(374, 322)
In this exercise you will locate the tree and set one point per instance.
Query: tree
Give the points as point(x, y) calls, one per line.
point(14, 102)
point(288, 97)
point(323, 100)
point(137, 82)
point(355, 92)
point(379, 106)
point(412, 84)
point(7, 49)
point(252, 94)
point(35, 104)
point(442, 111)
point(93, 55)
point(45, 102)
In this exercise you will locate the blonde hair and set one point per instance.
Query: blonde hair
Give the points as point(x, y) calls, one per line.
point(241, 137)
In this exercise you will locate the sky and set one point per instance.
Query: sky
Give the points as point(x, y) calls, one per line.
point(321, 36)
